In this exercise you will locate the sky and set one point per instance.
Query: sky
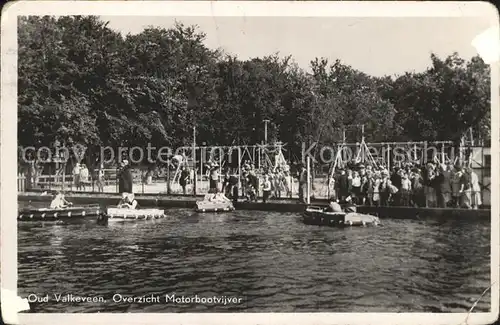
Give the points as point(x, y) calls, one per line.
point(377, 46)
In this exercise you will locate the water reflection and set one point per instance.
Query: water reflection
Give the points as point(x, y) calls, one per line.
point(272, 260)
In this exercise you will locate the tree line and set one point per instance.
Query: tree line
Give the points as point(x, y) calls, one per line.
point(81, 82)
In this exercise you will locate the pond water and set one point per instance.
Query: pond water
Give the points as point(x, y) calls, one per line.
point(272, 261)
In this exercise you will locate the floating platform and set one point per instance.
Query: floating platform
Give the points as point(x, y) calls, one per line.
point(71, 213)
point(317, 216)
point(124, 214)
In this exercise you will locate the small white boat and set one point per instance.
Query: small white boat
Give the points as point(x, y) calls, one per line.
point(214, 203)
point(126, 214)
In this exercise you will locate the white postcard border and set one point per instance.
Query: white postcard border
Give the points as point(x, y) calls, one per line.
point(8, 146)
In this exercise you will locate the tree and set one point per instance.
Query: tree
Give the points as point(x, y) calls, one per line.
point(81, 82)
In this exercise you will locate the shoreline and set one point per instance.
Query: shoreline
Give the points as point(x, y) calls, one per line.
point(278, 205)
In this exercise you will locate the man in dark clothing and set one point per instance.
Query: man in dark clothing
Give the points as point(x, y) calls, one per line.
point(417, 188)
point(225, 184)
point(465, 186)
point(233, 184)
point(183, 179)
point(125, 178)
point(442, 186)
point(342, 185)
point(396, 180)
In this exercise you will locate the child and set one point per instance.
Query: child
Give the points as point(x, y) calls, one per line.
point(405, 189)
point(128, 201)
point(266, 189)
point(356, 187)
point(59, 202)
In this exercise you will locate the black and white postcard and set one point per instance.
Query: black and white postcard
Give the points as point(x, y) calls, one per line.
point(249, 162)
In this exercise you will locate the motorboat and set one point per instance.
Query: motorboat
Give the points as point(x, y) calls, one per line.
point(214, 203)
point(128, 214)
point(61, 214)
point(316, 215)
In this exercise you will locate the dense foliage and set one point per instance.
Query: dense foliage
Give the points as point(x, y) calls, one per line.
point(81, 82)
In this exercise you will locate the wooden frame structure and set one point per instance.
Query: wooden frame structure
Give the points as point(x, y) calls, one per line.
point(261, 156)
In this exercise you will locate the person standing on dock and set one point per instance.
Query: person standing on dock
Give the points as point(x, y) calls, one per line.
point(100, 178)
point(225, 184)
point(266, 189)
point(429, 175)
point(385, 188)
point(356, 187)
point(455, 188)
point(302, 184)
point(183, 179)
point(233, 186)
point(363, 190)
point(442, 186)
point(475, 189)
point(84, 176)
point(405, 189)
point(465, 187)
point(342, 185)
point(417, 188)
point(253, 182)
point(396, 180)
point(125, 178)
point(367, 183)
point(214, 178)
point(76, 176)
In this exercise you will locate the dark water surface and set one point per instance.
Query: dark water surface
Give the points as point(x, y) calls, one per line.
point(271, 260)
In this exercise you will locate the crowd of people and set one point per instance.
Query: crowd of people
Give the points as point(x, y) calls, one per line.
point(271, 182)
point(80, 176)
point(430, 185)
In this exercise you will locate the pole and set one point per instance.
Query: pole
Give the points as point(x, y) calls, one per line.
point(265, 131)
point(388, 157)
point(64, 176)
point(239, 172)
point(194, 160)
point(308, 192)
point(442, 153)
point(361, 147)
point(168, 177)
point(258, 158)
point(425, 158)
